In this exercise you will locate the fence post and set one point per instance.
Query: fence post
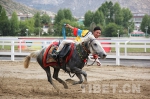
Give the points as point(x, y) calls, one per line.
point(20, 46)
point(117, 53)
point(12, 50)
point(145, 47)
point(3, 45)
point(125, 48)
point(45, 43)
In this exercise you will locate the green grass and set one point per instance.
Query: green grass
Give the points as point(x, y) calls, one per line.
point(8, 47)
point(132, 50)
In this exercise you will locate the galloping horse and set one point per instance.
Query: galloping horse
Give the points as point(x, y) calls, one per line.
point(76, 62)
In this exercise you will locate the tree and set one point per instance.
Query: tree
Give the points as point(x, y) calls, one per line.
point(118, 14)
point(37, 20)
point(104, 9)
point(45, 19)
point(145, 23)
point(14, 24)
point(23, 27)
point(97, 17)
point(110, 13)
point(88, 18)
point(50, 30)
point(58, 28)
point(127, 15)
point(67, 14)
point(111, 30)
point(60, 16)
point(27, 24)
point(30, 25)
point(107, 10)
point(4, 23)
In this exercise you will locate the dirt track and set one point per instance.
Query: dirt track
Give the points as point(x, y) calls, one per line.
point(19, 83)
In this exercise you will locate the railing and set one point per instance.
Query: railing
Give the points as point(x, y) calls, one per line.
point(16, 44)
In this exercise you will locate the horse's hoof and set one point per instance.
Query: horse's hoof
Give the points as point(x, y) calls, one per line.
point(75, 82)
point(68, 79)
point(59, 92)
point(85, 82)
point(66, 87)
point(83, 86)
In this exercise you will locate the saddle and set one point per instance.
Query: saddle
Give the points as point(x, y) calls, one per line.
point(65, 51)
point(65, 54)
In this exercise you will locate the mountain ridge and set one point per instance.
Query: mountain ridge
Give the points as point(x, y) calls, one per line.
point(78, 7)
point(11, 6)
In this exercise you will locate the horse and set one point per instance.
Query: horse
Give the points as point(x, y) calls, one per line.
point(80, 53)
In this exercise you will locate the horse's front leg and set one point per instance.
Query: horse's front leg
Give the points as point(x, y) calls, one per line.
point(78, 73)
point(80, 79)
point(55, 76)
point(85, 76)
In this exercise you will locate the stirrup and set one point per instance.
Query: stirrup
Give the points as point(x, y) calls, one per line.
point(55, 55)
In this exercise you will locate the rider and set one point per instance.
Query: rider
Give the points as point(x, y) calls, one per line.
point(79, 33)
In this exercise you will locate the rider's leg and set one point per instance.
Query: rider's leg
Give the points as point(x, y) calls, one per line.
point(55, 55)
point(63, 43)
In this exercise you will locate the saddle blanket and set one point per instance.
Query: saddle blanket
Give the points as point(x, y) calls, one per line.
point(47, 59)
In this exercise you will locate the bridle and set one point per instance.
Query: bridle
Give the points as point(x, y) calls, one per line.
point(85, 49)
point(88, 51)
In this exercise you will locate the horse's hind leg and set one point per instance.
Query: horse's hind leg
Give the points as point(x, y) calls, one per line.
point(47, 69)
point(55, 76)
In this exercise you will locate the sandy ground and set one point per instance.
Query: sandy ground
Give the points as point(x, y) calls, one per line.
point(105, 82)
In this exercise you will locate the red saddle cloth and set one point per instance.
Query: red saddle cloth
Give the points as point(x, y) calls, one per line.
point(49, 61)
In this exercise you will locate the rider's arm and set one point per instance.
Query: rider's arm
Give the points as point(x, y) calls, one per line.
point(76, 31)
point(69, 26)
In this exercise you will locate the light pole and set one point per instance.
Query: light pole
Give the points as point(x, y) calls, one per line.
point(118, 33)
point(40, 31)
point(146, 28)
point(27, 31)
point(128, 31)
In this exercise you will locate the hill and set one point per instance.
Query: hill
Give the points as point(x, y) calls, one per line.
point(11, 6)
point(136, 6)
point(80, 7)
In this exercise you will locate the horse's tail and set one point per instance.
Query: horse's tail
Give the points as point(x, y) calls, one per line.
point(27, 58)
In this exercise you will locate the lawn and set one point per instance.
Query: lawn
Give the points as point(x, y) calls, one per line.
point(132, 50)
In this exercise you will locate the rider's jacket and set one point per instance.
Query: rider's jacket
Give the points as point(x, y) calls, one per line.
point(80, 33)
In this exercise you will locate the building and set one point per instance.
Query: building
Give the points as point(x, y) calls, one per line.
point(137, 19)
point(22, 16)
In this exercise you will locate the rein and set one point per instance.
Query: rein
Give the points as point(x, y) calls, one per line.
point(85, 49)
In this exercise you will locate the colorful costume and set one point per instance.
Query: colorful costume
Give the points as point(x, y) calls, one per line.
point(78, 33)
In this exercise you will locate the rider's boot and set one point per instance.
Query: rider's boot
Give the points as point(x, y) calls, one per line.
point(55, 55)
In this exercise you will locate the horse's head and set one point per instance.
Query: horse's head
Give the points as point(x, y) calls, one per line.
point(95, 47)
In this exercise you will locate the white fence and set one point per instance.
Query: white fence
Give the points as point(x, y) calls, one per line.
point(116, 43)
